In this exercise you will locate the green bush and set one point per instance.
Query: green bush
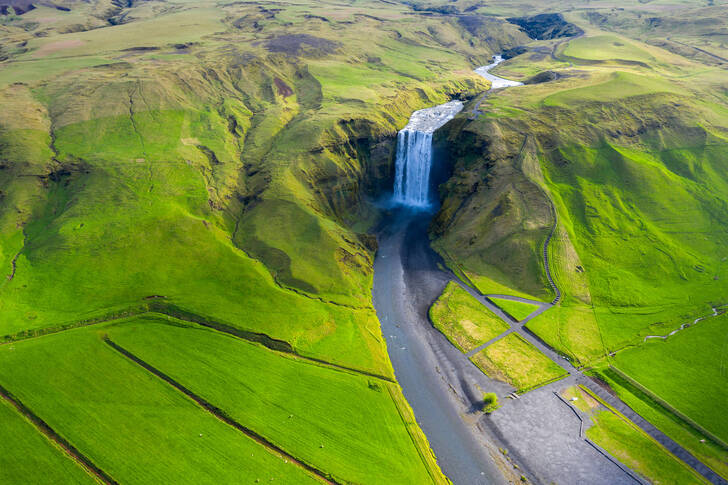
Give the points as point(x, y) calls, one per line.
point(490, 402)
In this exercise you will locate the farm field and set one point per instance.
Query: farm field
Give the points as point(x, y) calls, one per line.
point(697, 443)
point(463, 319)
point(517, 309)
point(514, 360)
point(33, 458)
point(341, 422)
point(693, 359)
point(120, 416)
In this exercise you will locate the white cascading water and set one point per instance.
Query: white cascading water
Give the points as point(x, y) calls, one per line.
point(414, 154)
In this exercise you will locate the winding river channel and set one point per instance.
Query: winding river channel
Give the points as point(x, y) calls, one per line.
point(439, 382)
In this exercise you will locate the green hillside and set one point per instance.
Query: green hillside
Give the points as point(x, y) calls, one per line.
point(189, 195)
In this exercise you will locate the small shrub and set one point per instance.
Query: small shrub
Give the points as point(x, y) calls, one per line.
point(490, 402)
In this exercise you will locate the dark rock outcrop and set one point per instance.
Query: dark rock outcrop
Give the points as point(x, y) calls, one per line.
point(546, 26)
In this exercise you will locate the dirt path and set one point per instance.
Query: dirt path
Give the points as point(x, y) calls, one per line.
point(557, 292)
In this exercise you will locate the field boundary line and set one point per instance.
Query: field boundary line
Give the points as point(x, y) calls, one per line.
point(669, 407)
point(270, 343)
point(173, 311)
point(52, 435)
point(221, 414)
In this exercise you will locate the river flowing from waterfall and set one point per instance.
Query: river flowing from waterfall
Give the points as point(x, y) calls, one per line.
point(436, 378)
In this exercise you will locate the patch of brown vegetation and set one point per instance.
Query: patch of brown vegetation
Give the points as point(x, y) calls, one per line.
point(52, 47)
point(283, 88)
point(295, 44)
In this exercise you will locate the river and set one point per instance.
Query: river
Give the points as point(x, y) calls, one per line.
point(439, 382)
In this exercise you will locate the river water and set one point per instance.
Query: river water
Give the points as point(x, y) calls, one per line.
point(438, 381)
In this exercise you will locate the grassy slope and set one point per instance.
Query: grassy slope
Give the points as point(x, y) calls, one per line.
point(32, 458)
point(636, 181)
point(516, 309)
point(514, 360)
point(120, 416)
point(463, 320)
point(687, 370)
point(217, 167)
point(297, 405)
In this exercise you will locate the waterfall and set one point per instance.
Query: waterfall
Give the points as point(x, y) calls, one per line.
point(413, 161)
point(412, 168)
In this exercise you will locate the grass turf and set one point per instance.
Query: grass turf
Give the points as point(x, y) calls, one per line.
point(463, 320)
point(572, 330)
point(131, 424)
point(516, 361)
point(687, 370)
point(340, 422)
point(638, 451)
point(32, 458)
point(517, 309)
point(701, 446)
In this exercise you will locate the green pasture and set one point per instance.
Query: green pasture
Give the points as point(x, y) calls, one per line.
point(621, 207)
point(516, 361)
point(139, 220)
point(33, 458)
point(616, 86)
point(572, 330)
point(464, 320)
point(638, 451)
point(130, 423)
point(686, 370)
point(340, 422)
point(630, 445)
point(606, 48)
point(701, 446)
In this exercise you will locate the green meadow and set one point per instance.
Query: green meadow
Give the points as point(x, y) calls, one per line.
point(700, 445)
point(572, 330)
point(343, 423)
point(122, 417)
point(686, 370)
point(464, 320)
point(630, 445)
point(32, 458)
point(638, 451)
